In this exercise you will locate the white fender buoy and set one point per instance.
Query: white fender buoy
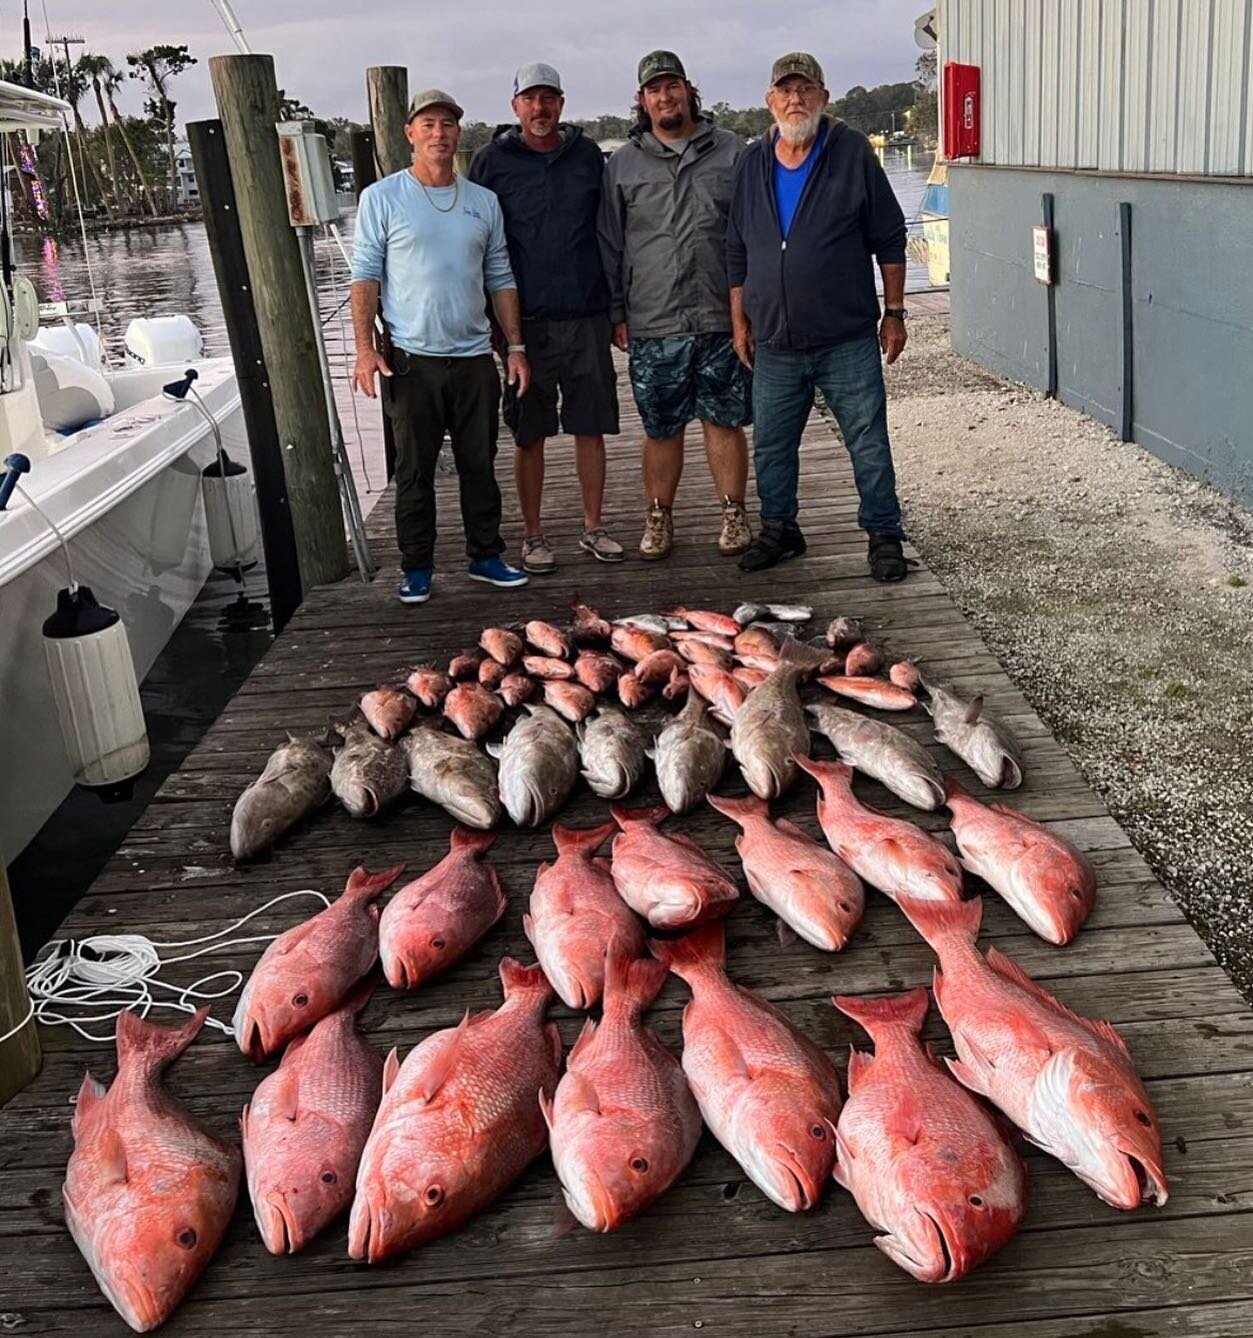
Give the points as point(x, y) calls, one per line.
point(231, 513)
point(96, 692)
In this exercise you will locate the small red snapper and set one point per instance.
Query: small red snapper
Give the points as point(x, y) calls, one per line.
point(770, 1096)
point(624, 1122)
point(148, 1192)
point(305, 1126)
point(460, 1120)
point(669, 880)
point(925, 1161)
point(308, 971)
point(432, 922)
point(1068, 1082)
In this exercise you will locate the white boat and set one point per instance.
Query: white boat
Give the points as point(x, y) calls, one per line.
point(125, 494)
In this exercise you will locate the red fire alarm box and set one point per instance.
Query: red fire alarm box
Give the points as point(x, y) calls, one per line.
point(961, 110)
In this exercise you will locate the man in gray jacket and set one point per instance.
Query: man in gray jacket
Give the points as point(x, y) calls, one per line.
point(663, 219)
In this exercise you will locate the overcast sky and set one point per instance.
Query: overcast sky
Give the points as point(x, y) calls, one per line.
point(322, 47)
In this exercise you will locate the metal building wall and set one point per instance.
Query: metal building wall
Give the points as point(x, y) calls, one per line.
point(1120, 85)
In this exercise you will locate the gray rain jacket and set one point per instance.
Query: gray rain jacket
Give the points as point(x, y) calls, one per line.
point(662, 231)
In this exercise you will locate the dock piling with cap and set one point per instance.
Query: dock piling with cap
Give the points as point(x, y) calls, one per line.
point(20, 1056)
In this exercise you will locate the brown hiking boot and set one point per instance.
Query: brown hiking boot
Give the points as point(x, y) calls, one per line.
point(658, 540)
point(736, 534)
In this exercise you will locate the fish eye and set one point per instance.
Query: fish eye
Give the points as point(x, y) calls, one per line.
point(1142, 1116)
point(300, 1000)
point(818, 1130)
point(187, 1238)
point(975, 1201)
point(639, 1164)
point(1076, 894)
point(433, 1196)
point(437, 942)
point(329, 1177)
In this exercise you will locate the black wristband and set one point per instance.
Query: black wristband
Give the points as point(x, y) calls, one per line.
point(897, 313)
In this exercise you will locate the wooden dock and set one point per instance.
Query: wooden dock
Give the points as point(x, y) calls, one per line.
point(713, 1254)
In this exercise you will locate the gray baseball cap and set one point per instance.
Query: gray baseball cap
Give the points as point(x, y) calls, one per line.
point(657, 63)
point(433, 97)
point(797, 62)
point(536, 75)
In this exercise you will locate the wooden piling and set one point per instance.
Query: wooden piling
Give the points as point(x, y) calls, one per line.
point(248, 102)
point(20, 1057)
point(387, 87)
point(226, 246)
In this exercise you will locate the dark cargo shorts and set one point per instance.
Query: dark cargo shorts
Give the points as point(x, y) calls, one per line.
point(572, 359)
point(680, 377)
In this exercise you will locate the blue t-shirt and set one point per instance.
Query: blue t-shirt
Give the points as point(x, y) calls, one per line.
point(433, 252)
point(789, 182)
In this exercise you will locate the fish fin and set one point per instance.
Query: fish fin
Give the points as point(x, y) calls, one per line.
point(519, 979)
point(285, 1091)
point(954, 789)
point(90, 1095)
point(654, 816)
point(631, 983)
point(786, 934)
point(584, 841)
point(823, 772)
point(502, 901)
point(391, 1067)
point(111, 1155)
point(600, 862)
point(740, 810)
point(546, 1108)
point(582, 1041)
point(365, 886)
point(469, 838)
point(859, 1066)
point(724, 1056)
point(969, 1077)
point(682, 839)
point(902, 1125)
point(791, 829)
point(553, 1036)
point(439, 1066)
point(938, 921)
point(843, 1163)
point(700, 950)
point(528, 924)
point(564, 1221)
point(907, 1010)
point(150, 1046)
point(974, 710)
point(1011, 971)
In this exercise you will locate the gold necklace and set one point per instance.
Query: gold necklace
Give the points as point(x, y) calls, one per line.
point(455, 180)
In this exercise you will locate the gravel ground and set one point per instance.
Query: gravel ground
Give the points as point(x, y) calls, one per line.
point(1118, 594)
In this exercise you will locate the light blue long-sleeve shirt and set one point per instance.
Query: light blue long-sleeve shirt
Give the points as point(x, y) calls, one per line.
point(432, 267)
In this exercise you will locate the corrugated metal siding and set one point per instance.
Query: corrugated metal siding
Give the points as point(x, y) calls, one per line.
point(1123, 85)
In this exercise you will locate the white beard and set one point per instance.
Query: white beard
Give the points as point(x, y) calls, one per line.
point(799, 132)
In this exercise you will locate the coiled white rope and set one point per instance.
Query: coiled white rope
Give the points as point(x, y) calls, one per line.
point(117, 972)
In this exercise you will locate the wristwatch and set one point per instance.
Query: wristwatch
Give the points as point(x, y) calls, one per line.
point(897, 313)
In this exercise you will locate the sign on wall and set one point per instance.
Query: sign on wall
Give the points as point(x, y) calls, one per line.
point(1042, 253)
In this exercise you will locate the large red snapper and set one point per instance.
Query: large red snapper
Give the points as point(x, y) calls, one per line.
point(308, 971)
point(768, 1093)
point(669, 880)
point(624, 1123)
point(148, 1192)
point(432, 922)
point(1068, 1082)
point(808, 886)
point(305, 1127)
point(1046, 881)
point(925, 1161)
point(576, 913)
point(901, 860)
point(459, 1122)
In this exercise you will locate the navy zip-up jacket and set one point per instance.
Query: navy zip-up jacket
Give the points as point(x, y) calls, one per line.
point(817, 287)
point(550, 202)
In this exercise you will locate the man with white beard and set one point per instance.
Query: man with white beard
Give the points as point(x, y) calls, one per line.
point(811, 211)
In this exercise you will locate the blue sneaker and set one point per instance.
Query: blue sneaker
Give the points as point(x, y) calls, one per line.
point(416, 587)
point(496, 571)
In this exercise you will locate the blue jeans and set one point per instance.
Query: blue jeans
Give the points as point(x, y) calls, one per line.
point(850, 376)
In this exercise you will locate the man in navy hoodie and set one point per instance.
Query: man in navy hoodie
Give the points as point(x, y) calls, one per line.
point(812, 210)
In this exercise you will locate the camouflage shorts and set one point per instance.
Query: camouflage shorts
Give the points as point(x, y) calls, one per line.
point(680, 377)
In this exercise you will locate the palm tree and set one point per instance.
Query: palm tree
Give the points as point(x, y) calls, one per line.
point(110, 82)
point(73, 84)
point(156, 66)
point(94, 67)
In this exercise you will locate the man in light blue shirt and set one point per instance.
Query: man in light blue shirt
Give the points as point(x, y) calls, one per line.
point(427, 244)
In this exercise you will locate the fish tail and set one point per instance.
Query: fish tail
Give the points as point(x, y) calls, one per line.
point(583, 841)
point(520, 981)
point(954, 789)
point(148, 1045)
point(654, 815)
point(802, 656)
point(357, 998)
point(823, 772)
point(470, 839)
point(940, 921)
point(697, 952)
point(631, 983)
point(741, 809)
point(365, 886)
point(908, 1010)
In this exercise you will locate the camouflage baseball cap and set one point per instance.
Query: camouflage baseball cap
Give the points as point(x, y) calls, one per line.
point(660, 62)
point(797, 62)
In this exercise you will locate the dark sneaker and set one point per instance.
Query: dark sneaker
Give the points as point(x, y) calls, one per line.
point(887, 558)
point(496, 571)
point(778, 541)
point(416, 587)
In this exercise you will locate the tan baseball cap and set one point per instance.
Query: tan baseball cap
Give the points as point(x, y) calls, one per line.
point(433, 97)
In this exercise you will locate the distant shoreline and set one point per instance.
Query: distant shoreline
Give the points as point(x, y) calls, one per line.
point(114, 224)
